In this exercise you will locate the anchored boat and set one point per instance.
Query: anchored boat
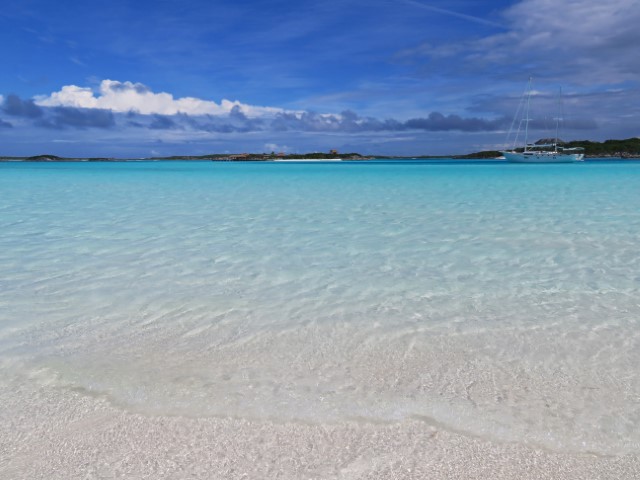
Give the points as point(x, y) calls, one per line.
point(545, 152)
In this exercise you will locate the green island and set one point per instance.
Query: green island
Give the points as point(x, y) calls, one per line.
point(625, 149)
point(628, 148)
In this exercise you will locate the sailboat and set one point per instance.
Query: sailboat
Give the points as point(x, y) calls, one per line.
point(545, 152)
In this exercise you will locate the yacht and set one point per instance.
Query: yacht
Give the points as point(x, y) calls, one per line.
point(540, 152)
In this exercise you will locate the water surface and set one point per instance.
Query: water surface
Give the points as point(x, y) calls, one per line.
point(501, 301)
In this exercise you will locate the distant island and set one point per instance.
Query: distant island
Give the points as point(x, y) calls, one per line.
point(256, 157)
point(628, 148)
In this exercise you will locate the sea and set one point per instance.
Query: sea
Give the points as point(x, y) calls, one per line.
point(494, 300)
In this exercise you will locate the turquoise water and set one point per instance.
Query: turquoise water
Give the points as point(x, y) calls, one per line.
point(497, 300)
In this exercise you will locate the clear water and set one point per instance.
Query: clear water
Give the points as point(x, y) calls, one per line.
point(500, 301)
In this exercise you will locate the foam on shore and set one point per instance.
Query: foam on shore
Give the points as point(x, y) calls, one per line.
point(56, 434)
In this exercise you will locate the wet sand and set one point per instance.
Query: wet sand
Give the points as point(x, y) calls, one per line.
point(52, 433)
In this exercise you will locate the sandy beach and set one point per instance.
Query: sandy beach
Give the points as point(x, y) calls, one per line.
point(48, 433)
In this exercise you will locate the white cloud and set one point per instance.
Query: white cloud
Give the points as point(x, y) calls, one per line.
point(128, 96)
point(591, 39)
point(274, 147)
point(576, 41)
point(587, 23)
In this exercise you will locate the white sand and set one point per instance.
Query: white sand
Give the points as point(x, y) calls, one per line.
point(52, 433)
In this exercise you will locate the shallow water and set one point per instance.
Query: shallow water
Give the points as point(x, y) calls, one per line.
point(500, 301)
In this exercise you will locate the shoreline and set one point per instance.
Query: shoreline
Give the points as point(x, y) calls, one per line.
point(64, 434)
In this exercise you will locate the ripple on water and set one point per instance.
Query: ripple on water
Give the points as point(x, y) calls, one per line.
point(495, 301)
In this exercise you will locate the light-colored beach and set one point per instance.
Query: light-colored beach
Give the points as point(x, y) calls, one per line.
point(66, 435)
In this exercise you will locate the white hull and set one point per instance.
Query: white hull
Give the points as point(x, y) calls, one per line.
point(543, 151)
point(543, 157)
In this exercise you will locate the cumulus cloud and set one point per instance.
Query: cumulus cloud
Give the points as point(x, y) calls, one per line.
point(17, 107)
point(82, 109)
point(55, 117)
point(61, 117)
point(4, 124)
point(128, 96)
point(162, 122)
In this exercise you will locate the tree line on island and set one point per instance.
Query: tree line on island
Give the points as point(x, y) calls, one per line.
point(627, 148)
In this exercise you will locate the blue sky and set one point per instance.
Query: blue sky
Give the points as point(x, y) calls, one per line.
point(405, 77)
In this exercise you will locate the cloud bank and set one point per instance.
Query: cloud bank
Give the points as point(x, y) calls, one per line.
point(133, 105)
point(128, 96)
point(121, 118)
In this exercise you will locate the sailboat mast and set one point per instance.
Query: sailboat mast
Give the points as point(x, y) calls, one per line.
point(555, 143)
point(526, 124)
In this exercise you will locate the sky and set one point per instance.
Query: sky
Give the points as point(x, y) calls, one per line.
point(144, 78)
